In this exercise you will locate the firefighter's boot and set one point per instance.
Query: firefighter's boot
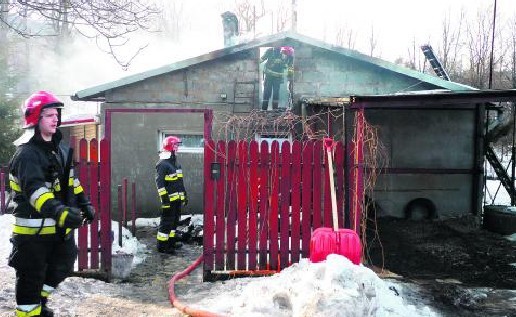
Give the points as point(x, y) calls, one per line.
point(173, 244)
point(45, 311)
point(164, 247)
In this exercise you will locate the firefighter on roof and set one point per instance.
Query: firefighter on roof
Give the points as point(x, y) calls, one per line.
point(50, 204)
point(172, 194)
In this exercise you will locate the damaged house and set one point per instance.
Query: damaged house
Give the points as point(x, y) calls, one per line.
point(431, 148)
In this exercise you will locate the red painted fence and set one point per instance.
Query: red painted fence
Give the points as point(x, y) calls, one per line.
point(94, 240)
point(262, 204)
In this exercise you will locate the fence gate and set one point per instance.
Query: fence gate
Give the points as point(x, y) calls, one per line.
point(94, 240)
point(262, 202)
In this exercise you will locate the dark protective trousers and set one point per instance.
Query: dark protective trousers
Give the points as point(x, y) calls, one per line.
point(38, 260)
point(271, 86)
point(170, 217)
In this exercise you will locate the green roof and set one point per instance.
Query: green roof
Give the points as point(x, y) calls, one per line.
point(98, 92)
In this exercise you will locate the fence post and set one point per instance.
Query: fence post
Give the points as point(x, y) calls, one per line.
point(124, 201)
point(121, 215)
point(133, 211)
point(2, 191)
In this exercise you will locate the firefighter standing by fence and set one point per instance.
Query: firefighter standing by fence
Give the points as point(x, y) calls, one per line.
point(172, 193)
point(47, 194)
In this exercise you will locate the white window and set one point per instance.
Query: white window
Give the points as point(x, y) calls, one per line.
point(270, 137)
point(191, 143)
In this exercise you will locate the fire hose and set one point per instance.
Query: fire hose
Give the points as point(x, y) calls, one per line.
point(180, 306)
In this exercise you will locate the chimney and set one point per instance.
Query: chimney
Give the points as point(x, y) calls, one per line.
point(230, 25)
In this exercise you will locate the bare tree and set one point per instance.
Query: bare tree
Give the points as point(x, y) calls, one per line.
point(283, 16)
point(478, 48)
point(373, 42)
point(172, 19)
point(248, 13)
point(449, 48)
point(510, 63)
point(108, 21)
point(416, 60)
point(346, 37)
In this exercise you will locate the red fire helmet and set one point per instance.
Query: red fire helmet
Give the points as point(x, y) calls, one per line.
point(287, 50)
point(33, 106)
point(171, 143)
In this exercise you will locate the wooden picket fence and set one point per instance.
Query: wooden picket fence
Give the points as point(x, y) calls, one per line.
point(262, 203)
point(94, 240)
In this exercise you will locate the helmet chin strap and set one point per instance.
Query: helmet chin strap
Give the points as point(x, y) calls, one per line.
point(165, 155)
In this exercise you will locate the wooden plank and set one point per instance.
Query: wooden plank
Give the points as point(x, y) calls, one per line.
point(220, 222)
point(243, 187)
point(306, 197)
point(82, 240)
point(232, 210)
point(263, 219)
point(274, 209)
point(284, 207)
point(317, 184)
point(94, 198)
point(254, 160)
point(209, 206)
point(339, 181)
point(359, 164)
point(327, 219)
point(295, 226)
point(105, 205)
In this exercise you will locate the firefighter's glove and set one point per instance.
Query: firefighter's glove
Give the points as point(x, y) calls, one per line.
point(88, 213)
point(68, 217)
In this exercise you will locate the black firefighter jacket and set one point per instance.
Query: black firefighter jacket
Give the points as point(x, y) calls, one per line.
point(36, 177)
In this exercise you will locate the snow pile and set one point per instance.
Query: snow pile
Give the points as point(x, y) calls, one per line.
point(335, 287)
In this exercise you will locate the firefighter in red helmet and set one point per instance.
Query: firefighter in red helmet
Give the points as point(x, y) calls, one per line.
point(172, 194)
point(50, 203)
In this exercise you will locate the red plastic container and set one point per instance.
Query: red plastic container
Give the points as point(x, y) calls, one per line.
point(345, 242)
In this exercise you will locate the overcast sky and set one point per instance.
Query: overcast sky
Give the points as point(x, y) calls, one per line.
point(396, 24)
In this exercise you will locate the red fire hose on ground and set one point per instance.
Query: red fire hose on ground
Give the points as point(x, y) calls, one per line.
point(180, 306)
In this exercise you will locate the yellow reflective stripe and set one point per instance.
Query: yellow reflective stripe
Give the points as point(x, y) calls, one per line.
point(78, 190)
point(171, 177)
point(165, 206)
point(34, 312)
point(162, 191)
point(68, 230)
point(35, 223)
point(172, 233)
point(61, 220)
point(162, 236)
point(42, 199)
point(31, 230)
point(14, 186)
point(47, 290)
point(174, 197)
point(71, 182)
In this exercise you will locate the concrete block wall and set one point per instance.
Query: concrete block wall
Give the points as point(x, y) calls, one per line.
point(318, 72)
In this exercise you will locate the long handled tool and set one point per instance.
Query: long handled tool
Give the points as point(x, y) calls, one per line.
point(345, 242)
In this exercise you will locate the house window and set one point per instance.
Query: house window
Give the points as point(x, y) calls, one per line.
point(269, 138)
point(191, 143)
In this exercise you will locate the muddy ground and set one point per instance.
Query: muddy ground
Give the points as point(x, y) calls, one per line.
point(461, 269)
point(465, 269)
